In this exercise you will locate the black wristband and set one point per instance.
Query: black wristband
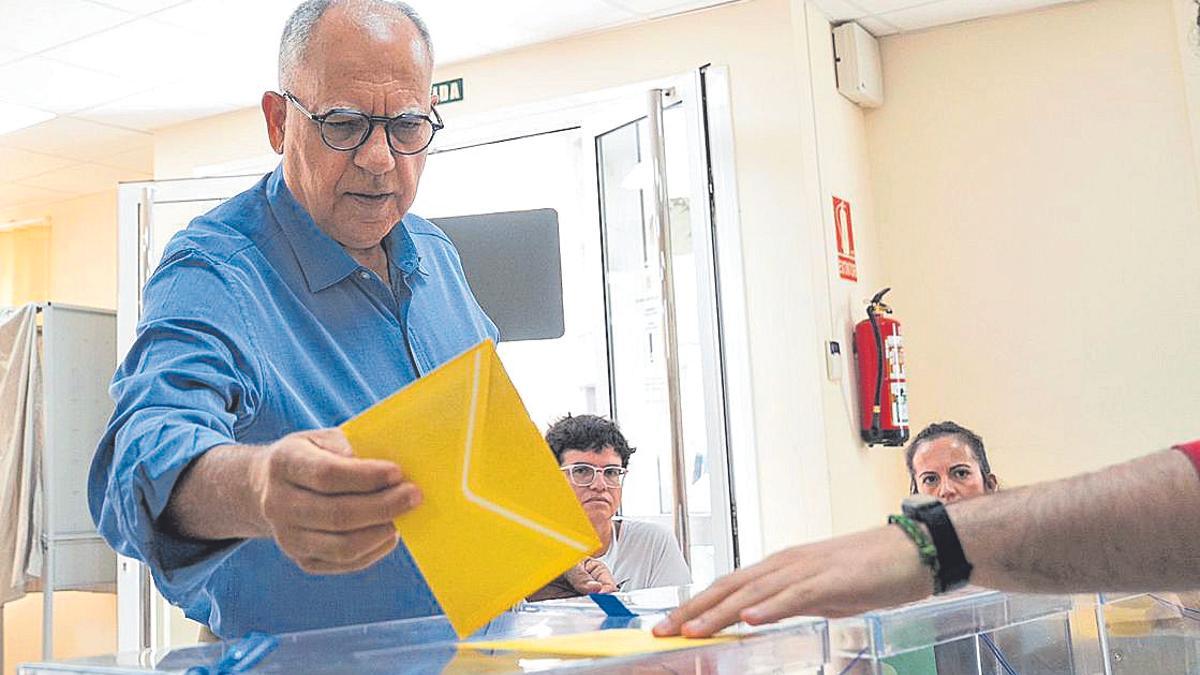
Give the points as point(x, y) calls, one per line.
point(953, 569)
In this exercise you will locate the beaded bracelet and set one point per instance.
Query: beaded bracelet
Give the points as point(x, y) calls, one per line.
point(925, 547)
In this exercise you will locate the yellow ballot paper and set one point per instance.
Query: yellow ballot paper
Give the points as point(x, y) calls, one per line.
point(498, 521)
point(613, 642)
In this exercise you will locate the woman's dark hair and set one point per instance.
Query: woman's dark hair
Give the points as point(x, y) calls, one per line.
point(937, 430)
point(587, 432)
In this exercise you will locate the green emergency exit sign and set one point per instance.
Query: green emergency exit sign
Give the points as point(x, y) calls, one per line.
point(448, 91)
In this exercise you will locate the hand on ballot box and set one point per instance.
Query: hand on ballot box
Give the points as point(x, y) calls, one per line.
point(589, 576)
point(328, 510)
point(833, 578)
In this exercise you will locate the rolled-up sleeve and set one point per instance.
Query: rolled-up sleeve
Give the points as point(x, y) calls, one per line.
point(190, 380)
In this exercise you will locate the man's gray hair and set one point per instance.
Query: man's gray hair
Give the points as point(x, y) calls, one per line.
point(298, 31)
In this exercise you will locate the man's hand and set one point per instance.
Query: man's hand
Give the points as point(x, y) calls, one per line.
point(838, 577)
point(589, 576)
point(330, 512)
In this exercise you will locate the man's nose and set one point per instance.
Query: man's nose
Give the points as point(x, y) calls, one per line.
point(375, 156)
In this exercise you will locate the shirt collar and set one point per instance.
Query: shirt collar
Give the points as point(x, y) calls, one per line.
point(322, 260)
point(401, 251)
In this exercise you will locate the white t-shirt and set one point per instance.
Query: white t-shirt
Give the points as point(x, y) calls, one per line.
point(644, 555)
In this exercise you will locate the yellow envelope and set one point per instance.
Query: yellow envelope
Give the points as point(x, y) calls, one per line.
point(499, 520)
point(613, 642)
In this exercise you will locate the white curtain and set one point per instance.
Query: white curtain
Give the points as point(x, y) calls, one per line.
point(22, 435)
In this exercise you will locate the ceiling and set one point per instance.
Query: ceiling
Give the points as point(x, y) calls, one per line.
point(886, 17)
point(114, 71)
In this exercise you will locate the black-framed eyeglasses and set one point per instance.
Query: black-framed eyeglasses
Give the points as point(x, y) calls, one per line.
point(583, 475)
point(346, 129)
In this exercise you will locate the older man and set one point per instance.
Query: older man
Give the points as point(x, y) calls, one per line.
point(276, 316)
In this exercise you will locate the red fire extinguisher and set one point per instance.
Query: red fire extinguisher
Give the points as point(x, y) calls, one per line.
point(882, 387)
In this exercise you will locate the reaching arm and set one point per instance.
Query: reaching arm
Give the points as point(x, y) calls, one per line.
point(215, 497)
point(327, 510)
point(170, 485)
point(1135, 526)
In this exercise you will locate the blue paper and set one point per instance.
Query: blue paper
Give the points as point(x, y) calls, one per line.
point(611, 605)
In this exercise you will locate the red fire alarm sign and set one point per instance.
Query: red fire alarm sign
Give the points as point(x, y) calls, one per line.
point(847, 268)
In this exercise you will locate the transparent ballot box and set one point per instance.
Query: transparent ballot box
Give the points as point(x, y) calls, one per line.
point(428, 645)
point(1148, 633)
point(969, 631)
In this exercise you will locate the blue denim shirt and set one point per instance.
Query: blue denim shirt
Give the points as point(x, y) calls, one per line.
point(255, 325)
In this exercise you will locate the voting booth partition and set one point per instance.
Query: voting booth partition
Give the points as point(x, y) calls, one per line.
point(77, 359)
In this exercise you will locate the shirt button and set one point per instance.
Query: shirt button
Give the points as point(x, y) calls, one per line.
point(364, 275)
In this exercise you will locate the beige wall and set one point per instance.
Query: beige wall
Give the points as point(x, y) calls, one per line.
point(80, 266)
point(24, 265)
point(84, 625)
point(84, 241)
point(190, 149)
point(1037, 203)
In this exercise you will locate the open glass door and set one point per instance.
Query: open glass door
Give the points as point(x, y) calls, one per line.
point(661, 300)
point(546, 171)
point(595, 161)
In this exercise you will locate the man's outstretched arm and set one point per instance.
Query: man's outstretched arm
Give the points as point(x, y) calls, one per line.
point(328, 511)
point(1131, 527)
point(1134, 526)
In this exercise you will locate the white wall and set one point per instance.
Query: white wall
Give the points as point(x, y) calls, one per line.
point(865, 484)
point(1036, 192)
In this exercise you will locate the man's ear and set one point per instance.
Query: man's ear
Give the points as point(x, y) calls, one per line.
point(433, 100)
point(274, 107)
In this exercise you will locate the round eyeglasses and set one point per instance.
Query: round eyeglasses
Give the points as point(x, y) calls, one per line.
point(344, 129)
point(583, 475)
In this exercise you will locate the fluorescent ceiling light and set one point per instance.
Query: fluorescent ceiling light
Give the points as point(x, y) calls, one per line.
point(13, 117)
